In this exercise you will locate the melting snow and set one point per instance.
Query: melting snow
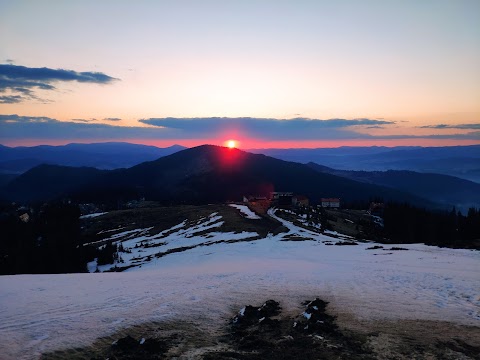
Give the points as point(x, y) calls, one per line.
point(249, 214)
point(88, 216)
point(40, 313)
point(141, 247)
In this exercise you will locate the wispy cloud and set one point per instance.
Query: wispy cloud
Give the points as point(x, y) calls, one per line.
point(84, 120)
point(10, 99)
point(21, 81)
point(17, 119)
point(473, 135)
point(458, 126)
point(112, 119)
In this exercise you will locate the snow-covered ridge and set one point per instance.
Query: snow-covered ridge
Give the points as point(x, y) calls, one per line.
point(138, 247)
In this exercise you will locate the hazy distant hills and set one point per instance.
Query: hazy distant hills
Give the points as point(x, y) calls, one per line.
point(210, 174)
point(459, 161)
point(203, 174)
point(16, 160)
point(443, 189)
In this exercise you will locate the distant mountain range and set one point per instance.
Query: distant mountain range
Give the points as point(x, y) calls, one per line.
point(209, 173)
point(114, 155)
point(442, 189)
point(198, 175)
point(459, 161)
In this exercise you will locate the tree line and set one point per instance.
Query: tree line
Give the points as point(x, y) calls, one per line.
point(46, 240)
point(405, 223)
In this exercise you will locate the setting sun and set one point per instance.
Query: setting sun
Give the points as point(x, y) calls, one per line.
point(231, 144)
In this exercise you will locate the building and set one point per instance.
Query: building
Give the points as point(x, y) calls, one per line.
point(276, 195)
point(253, 198)
point(282, 199)
point(300, 200)
point(330, 202)
point(259, 204)
point(25, 217)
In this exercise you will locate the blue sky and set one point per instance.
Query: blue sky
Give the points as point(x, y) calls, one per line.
point(293, 68)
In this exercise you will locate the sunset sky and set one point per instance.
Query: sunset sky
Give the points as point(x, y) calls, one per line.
point(268, 73)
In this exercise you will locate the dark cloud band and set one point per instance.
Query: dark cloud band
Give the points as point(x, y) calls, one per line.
point(267, 128)
point(25, 127)
point(20, 80)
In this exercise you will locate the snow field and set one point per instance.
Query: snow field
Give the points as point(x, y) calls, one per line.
point(210, 284)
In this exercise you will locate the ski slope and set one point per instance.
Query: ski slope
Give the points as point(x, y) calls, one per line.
point(40, 313)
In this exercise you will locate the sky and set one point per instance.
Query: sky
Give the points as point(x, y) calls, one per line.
point(267, 73)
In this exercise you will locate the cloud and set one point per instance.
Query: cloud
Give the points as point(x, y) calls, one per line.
point(473, 135)
point(16, 127)
point(10, 99)
point(266, 128)
point(112, 119)
point(83, 120)
point(458, 126)
point(20, 81)
point(261, 122)
point(17, 119)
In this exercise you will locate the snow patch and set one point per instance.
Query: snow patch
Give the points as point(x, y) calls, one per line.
point(249, 214)
point(89, 216)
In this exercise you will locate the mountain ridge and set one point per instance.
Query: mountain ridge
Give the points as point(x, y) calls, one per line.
point(109, 155)
point(458, 161)
point(202, 174)
point(444, 189)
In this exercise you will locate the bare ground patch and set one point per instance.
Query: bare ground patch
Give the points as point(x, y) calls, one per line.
point(266, 331)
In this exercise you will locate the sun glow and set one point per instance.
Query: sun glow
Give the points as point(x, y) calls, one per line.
point(231, 144)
